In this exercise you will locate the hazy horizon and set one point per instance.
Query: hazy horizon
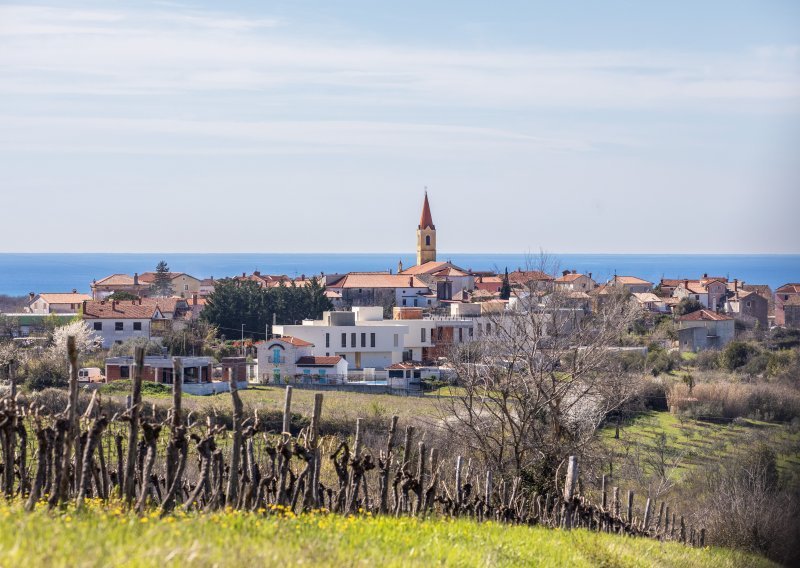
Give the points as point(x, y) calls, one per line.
point(620, 128)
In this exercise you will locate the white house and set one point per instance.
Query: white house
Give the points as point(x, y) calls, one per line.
point(360, 336)
point(287, 359)
point(56, 302)
point(574, 282)
point(116, 322)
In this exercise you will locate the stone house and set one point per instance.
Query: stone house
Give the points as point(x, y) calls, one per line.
point(782, 297)
point(704, 329)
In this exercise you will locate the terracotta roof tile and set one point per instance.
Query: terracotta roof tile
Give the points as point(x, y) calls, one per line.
point(63, 298)
point(135, 309)
point(568, 277)
point(704, 315)
point(377, 280)
point(630, 280)
point(116, 280)
point(791, 288)
point(296, 341)
point(309, 361)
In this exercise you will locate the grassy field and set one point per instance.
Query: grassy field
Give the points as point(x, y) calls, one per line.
point(105, 536)
point(270, 398)
point(700, 442)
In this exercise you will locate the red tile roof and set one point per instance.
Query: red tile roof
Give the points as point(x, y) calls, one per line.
point(63, 298)
point(115, 280)
point(791, 288)
point(134, 309)
point(437, 268)
point(377, 280)
point(704, 315)
point(425, 220)
point(630, 280)
point(526, 276)
point(309, 361)
point(568, 277)
point(296, 341)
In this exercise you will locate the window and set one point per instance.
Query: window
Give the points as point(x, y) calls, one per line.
point(471, 332)
point(748, 303)
point(98, 326)
point(185, 287)
point(137, 326)
point(363, 340)
point(119, 326)
point(415, 302)
point(404, 301)
point(327, 340)
point(344, 340)
point(480, 328)
point(372, 340)
point(460, 334)
point(488, 327)
point(427, 240)
point(429, 302)
point(276, 356)
point(422, 332)
point(124, 372)
point(352, 339)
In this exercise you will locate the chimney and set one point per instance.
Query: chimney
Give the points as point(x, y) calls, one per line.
point(135, 278)
point(574, 271)
point(735, 284)
point(685, 283)
point(244, 275)
point(74, 290)
point(257, 272)
point(565, 272)
point(590, 275)
point(84, 307)
point(113, 305)
point(31, 296)
point(705, 274)
point(410, 281)
point(194, 299)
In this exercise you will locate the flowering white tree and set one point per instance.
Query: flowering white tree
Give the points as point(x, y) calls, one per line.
point(86, 341)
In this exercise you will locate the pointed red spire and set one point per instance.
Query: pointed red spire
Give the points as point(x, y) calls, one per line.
point(426, 221)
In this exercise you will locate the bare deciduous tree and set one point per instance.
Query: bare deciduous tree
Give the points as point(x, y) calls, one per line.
point(537, 383)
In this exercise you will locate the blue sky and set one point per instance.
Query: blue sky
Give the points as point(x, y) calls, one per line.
point(314, 126)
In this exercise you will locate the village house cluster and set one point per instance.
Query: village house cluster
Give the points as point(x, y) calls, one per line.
point(396, 327)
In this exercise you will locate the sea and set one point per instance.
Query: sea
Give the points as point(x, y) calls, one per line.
point(21, 273)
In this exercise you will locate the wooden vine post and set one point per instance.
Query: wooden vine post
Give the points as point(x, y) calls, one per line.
point(232, 492)
point(133, 431)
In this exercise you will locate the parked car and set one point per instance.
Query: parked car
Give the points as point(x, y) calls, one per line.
point(91, 375)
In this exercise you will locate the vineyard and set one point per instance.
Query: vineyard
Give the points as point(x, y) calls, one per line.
point(174, 468)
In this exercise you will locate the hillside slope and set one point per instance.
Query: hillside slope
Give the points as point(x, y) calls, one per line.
point(108, 537)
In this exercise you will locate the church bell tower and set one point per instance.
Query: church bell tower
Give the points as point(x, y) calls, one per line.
point(426, 235)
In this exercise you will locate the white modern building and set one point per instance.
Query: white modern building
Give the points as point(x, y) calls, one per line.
point(361, 336)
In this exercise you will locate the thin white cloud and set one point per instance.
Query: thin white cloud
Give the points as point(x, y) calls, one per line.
point(172, 52)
